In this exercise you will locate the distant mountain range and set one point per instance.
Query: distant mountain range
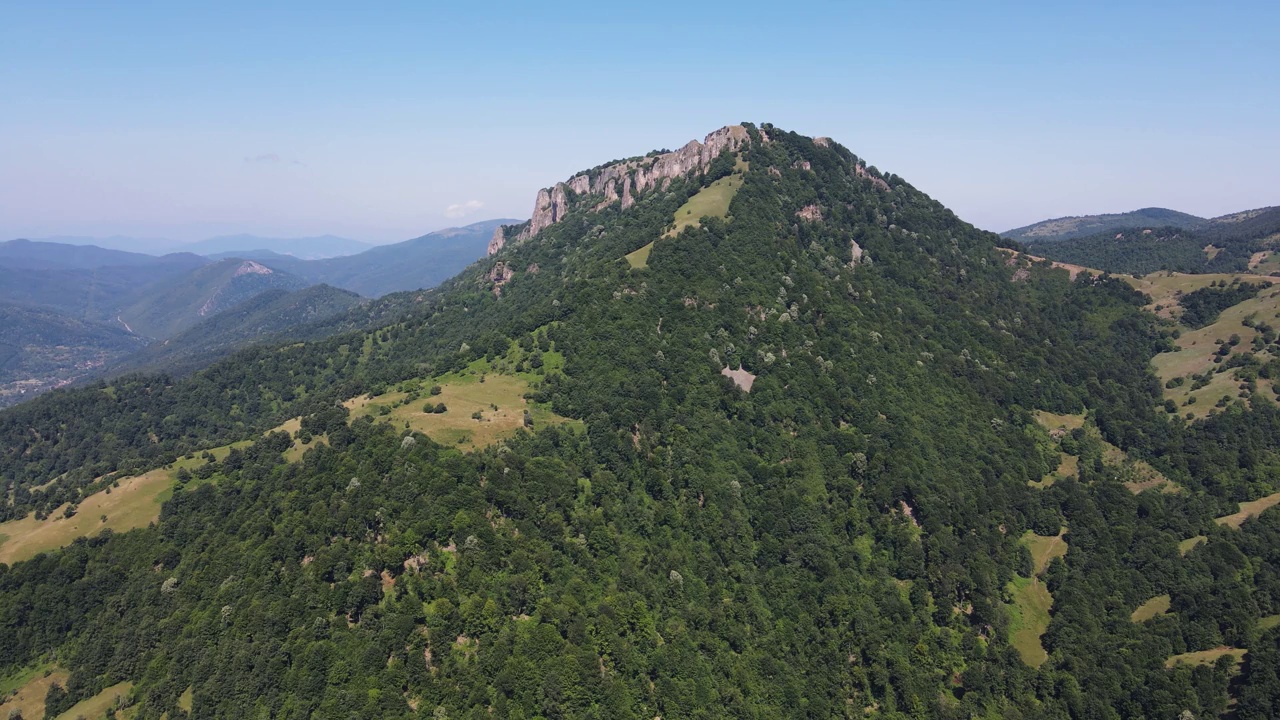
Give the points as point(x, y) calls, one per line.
point(418, 263)
point(80, 310)
point(306, 248)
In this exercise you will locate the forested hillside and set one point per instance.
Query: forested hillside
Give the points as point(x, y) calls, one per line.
point(792, 440)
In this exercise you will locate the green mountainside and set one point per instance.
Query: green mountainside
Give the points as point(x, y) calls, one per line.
point(273, 315)
point(41, 348)
point(799, 455)
point(167, 308)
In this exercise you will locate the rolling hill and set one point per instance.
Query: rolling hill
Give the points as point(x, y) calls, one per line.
point(1067, 228)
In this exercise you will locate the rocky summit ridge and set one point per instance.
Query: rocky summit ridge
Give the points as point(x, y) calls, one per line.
point(620, 182)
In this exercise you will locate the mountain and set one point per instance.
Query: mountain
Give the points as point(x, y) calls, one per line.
point(41, 349)
point(746, 429)
point(149, 246)
point(423, 262)
point(27, 254)
point(169, 307)
point(305, 248)
point(1230, 243)
point(275, 314)
point(1067, 228)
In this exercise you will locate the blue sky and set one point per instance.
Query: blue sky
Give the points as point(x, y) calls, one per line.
point(184, 120)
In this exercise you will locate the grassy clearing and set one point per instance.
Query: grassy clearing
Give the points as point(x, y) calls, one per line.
point(496, 398)
point(1268, 622)
point(31, 686)
point(185, 700)
point(1196, 349)
point(1248, 510)
point(99, 705)
point(1044, 548)
point(1056, 421)
point(711, 201)
point(1069, 467)
point(134, 504)
point(1189, 544)
point(639, 260)
point(1206, 657)
point(1029, 618)
point(1156, 606)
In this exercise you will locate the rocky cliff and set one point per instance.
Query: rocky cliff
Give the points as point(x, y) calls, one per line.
point(623, 181)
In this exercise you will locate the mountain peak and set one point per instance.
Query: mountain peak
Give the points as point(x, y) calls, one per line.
point(621, 182)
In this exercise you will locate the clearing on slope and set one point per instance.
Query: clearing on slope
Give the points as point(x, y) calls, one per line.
point(1206, 657)
point(483, 404)
point(1213, 365)
point(711, 201)
point(1030, 601)
point(101, 705)
point(25, 690)
point(1158, 605)
point(133, 504)
point(1137, 475)
point(1249, 509)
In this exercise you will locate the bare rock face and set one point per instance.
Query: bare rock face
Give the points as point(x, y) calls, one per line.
point(500, 275)
point(635, 176)
point(497, 241)
point(812, 213)
point(861, 171)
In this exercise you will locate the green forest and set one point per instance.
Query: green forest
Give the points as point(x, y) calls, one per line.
point(848, 538)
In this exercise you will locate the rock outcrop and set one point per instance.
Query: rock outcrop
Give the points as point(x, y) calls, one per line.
point(498, 240)
point(624, 181)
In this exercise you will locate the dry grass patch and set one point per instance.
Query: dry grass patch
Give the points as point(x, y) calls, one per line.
point(1069, 467)
point(1156, 606)
point(134, 504)
point(466, 394)
point(1190, 543)
point(26, 690)
point(1058, 421)
point(1248, 510)
point(99, 705)
point(1206, 657)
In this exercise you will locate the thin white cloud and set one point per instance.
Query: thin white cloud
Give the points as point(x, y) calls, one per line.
point(458, 210)
point(270, 159)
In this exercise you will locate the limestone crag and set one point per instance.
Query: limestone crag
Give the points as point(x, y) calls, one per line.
point(498, 240)
point(623, 181)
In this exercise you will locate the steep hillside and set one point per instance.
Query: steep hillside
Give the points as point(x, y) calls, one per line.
point(165, 309)
point(1079, 226)
point(273, 315)
point(41, 349)
point(790, 465)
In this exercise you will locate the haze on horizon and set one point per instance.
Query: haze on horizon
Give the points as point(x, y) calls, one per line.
point(186, 122)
